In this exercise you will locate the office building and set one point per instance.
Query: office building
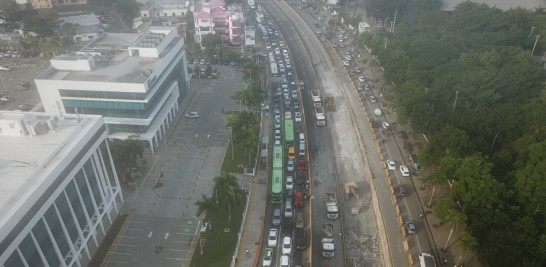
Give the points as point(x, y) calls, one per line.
point(136, 81)
point(60, 192)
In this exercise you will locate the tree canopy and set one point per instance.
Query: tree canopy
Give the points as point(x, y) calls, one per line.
point(467, 80)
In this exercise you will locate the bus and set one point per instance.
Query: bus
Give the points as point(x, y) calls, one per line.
point(277, 158)
point(288, 133)
point(276, 175)
point(276, 186)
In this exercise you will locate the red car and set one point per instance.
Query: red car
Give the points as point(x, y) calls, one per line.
point(303, 165)
point(298, 199)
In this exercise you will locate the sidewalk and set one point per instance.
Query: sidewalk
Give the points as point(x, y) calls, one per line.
point(254, 225)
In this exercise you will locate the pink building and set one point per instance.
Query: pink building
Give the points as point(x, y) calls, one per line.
point(216, 20)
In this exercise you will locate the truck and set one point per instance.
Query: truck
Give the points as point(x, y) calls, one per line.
point(299, 220)
point(319, 113)
point(331, 206)
point(426, 260)
point(327, 241)
point(315, 94)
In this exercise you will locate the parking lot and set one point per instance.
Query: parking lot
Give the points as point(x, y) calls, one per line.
point(23, 70)
point(154, 241)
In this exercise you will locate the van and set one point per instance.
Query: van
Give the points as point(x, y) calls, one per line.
point(291, 153)
point(276, 217)
point(302, 137)
point(301, 151)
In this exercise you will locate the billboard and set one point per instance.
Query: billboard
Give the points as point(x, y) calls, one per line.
point(250, 35)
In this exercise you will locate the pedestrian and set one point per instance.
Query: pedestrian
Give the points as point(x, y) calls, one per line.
point(246, 251)
point(316, 183)
point(222, 110)
point(320, 181)
point(421, 215)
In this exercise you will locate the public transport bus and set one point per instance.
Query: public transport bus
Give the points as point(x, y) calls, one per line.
point(277, 158)
point(289, 133)
point(276, 186)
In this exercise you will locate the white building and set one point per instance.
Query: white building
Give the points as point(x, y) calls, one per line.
point(215, 19)
point(136, 81)
point(59, 190)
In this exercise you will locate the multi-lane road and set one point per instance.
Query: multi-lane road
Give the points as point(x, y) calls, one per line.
point(348, 149)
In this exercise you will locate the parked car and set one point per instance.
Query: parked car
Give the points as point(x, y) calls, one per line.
point(272, 239)
point(410, 228)
point(346, 63)
point(193, 115)
point(373, 99)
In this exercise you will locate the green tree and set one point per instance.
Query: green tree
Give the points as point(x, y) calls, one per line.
point(127, 9)
point(190, 28)
point(227, 191)
point(244, 96)
point(249, 140)
point(206, 204)
point(125, 154)
point(211, 41)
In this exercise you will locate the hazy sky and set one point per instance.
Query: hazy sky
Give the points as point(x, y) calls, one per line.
point(502, 4)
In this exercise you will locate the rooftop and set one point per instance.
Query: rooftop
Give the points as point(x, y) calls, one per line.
point(33, 146)
point(116, 57)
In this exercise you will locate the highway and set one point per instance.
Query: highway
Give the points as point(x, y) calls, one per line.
point(350, 150)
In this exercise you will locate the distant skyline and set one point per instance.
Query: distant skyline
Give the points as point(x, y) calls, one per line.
point(502, 4)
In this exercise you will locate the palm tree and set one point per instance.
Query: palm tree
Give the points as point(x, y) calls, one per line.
point(227, 191)
point(206, 204)
point(249, 140)
point(243, 96)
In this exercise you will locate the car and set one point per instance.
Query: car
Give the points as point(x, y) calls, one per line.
point(277, 143)
point(366, 87)
point(26, 107)
point(5, 99)
point(361, 79)
point(6, 68)
point(196, 61)
point(288, 211)
point(268, 257)
point(207, 62)
point(202, 62)
point(289, 182)
point(272, 239)
point(386, 125)
point(286, 245)
point(373, 99)
point(268, 46)
point(276, 98)
point(404, 170)
point(284, 85)
point(277, 124)
point(277, 134)
point(214, 73)
point(302, 165)
point(300, 177)
point(276, 220)
point(288, 227)
point(193, 115)
point(359, 87)
point(358, 70)
point(281, 43)
point(391, 165)
point(290, 165)
point(294, 93)
point(347, 52)
point(346, 63)
point(352, 72)
point(265, 107)
point(341, 45)
point(232, 63)
point(297, 116)
point(348, 58)
point(410, 228)
point(285, 261)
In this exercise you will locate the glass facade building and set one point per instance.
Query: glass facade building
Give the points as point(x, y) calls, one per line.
point(62, 219)
point(138, 90)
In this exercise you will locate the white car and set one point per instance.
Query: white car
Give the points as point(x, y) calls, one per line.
point(346, 63)
point(297, 116)
point(386, 125)
point(277, 124)
point(391, 165)
point(272, 239)
point(277, 134)
point(373, 99)
point(268, 257)
point(286, 245)
point(290, 165)
point(348, 58)
point(277, 143)
point(289, 182)
point(285, 261)
point(288, 212)
point(361, 79)
point(193, 115)
point(404, 170)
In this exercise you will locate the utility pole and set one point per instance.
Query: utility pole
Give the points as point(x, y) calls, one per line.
point(394, 23)
point(535, 45)
point(492, 144)
point(532, 29)
point(455, 102)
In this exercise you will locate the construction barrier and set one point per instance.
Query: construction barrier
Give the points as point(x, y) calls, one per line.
point(406, 246)
point(410, 259)
point(397, 208)
point(403, 232)
point(400, 221)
